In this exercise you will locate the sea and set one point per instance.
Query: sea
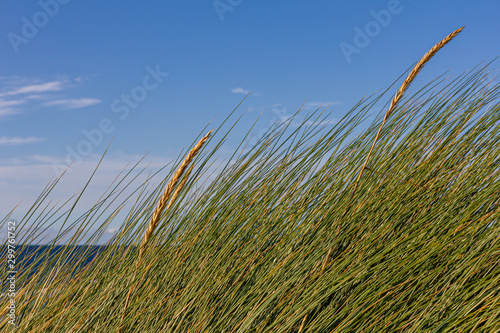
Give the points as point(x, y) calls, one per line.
point(30, 257)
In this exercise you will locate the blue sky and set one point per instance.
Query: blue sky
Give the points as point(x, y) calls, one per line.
point(152, 74)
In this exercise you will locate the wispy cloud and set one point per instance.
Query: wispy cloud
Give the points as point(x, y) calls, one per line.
point(112, 230)
point(75, 103)
point(37, 97)
point(240, 90)
point(4, 104)
point(33, 93)
point(6, 107)
point(36, 88)
point(299, 122)
point(16, 141)
point(311, 105)
point(7, 111)
point(42, 159)
point(321, 123)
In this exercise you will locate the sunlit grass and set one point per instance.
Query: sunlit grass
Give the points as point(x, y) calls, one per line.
point(266, 246)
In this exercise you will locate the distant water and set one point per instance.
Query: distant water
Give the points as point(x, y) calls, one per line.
point(34, 255)
point(30, 255)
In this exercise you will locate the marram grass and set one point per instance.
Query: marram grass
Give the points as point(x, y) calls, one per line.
point(163, 203)
point(269, 245)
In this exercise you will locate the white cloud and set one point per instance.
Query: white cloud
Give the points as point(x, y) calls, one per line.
point(240, 90)
point(317, 105)
point(6, 107)
point(43, 159)
point(37, 97)
point(321, 123)
point(75, 103)
point(112, 230)
point(4, 104)
point(34, 93)
point(7, 111)
point(36, 88)
point(15, 141)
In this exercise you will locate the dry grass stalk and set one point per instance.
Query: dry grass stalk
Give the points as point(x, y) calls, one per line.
point(399, 94)
point(408, 182)
point(179, 188)
point(303, 324)
point(327, 258)
point(161, 206)
point(395, 100)
point(168, 191)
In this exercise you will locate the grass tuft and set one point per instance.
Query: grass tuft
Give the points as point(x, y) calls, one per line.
point(162, 203)
point(266, 242)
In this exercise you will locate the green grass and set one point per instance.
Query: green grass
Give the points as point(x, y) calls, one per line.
point(267, 246)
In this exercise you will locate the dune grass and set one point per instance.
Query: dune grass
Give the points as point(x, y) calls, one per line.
point(288, 237)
